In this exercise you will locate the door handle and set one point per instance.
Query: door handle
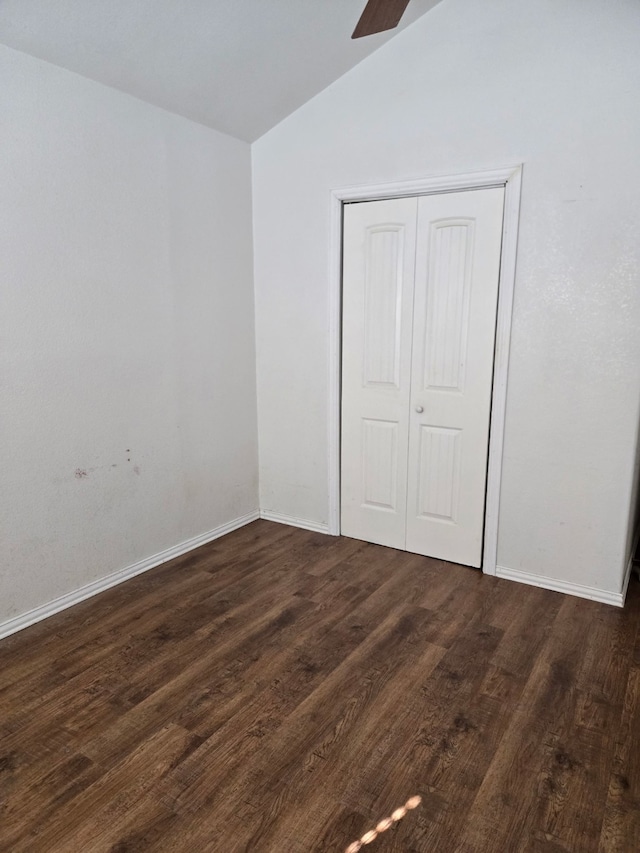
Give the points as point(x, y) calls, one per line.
point(419, 410)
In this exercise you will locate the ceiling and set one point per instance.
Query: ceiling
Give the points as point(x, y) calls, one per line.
point(239, 66)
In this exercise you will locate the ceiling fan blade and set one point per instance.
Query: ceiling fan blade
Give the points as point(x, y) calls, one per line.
point(379, 15)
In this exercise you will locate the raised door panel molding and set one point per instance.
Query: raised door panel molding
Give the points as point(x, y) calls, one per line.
point(448, 296)
point(383, 305)
point(379, 464)
point(439, 473)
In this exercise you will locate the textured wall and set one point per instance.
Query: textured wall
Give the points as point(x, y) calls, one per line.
point(128, 420)
point(473, 86)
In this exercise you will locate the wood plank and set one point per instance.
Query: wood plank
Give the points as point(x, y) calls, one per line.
point(280, 689)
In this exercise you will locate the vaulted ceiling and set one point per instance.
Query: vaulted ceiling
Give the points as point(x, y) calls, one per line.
point(239, 66)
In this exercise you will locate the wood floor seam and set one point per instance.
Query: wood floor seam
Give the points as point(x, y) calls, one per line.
point(281, 691)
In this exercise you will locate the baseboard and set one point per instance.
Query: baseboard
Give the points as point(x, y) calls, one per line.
point(591, 592)
point(17, 623)
point(292, 521)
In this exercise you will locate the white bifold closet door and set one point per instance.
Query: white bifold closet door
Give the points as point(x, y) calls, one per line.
point(420, 289)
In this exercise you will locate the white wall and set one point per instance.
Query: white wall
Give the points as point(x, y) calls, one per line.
point(633, 536)
point(471, 86)
point(128, 415)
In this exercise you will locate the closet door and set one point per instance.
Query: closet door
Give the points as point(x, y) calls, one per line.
point(378, 273)
point(455, 306)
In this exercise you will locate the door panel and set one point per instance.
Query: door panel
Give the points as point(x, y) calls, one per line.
point(456, 289)
point(380, 468)
point(419, 313)
point(442, 358)
point(383, 285)
point(378, 270)
point(438, 473)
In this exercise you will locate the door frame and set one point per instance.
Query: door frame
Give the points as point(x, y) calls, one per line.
point(510, 178)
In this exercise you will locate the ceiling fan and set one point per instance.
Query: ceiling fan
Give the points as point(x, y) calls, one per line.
point(378, 16)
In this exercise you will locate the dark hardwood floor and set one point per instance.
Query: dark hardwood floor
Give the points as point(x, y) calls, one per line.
point(281, 690)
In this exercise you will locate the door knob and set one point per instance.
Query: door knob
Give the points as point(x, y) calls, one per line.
point(419, 410)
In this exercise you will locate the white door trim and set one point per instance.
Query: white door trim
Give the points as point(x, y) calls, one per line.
point(511, 179)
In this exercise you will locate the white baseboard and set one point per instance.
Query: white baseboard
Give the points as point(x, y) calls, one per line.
point(11, 626)
point(615, 598)
point(292, 521)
